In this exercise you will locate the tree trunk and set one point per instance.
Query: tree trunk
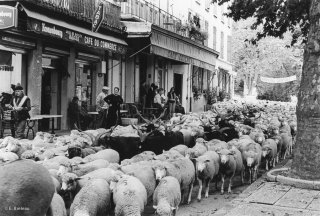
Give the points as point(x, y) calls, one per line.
point(306, 160)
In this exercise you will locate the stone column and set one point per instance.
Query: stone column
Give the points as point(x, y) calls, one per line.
point(34, 78)
point(68, 89)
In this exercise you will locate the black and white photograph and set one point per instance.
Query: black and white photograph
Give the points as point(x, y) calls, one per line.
point(159, 107)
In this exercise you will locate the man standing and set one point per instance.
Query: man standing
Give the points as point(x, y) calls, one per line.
point(20, 105)
point(102, 107)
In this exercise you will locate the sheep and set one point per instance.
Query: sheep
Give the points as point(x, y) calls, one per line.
point(167, 155)
point(144, 172)
point(54, 163)
point(16, 147)
point(230, 164)
point(286, 145)
point(180, 148)
point(251, 155)
point(6, 141)
point(8, 156)
point(269, 152)
point(57, 184)
point(93, 199)
point(207, 167)
point(54, 173)
point(199, 149)
point(144, 156)
point(82, 169)
point(51, 153)
point(28, 154)
point(216, 145)
point(279, 142)
point(25, 183)
point(257, 136)
point(108, 154)
point(57, 207)
point(183, 169)
point(167, 196)
point(87, 151)
point(129, 195)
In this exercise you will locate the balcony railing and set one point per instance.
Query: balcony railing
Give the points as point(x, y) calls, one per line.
point(83, 9)
point(148, 12)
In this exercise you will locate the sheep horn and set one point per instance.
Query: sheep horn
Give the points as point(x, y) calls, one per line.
point(162, 114)
point(145, 120)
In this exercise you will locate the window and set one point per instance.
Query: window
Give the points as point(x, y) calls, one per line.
point(206, 24)
point(229, 52)
point(214, 37)
point(199, 78)
point(222, 46)
point(215, 9)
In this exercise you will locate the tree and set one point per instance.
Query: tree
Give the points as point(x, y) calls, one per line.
point(269, 56)
point(277, 17)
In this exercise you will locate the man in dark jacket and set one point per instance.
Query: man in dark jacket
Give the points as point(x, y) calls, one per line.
point(20, 105)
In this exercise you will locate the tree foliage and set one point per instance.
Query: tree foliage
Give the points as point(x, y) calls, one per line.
point(275, 17)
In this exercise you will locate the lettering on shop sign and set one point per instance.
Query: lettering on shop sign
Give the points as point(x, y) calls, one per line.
point(179, 57)
point(78, 37)
point(8, 17)
point(98, 17)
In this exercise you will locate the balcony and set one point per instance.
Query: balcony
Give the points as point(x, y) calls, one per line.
point(82, 10)
point(140, 10)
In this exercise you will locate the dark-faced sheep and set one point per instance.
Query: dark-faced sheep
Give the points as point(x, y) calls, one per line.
point(269, 152)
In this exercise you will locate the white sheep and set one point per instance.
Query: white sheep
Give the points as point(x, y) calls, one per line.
point(15, 147)
point(182, 169)
point(108, 154)
point(144, 172)
point(82, 169)
point(207, 167)
point(180, 148)
point(167, 196)
point(92, 200)
point(57, 207)
point(167, 155)
point(144, 156)
point(6, 141)
point(199, 149)
point(129, 195)
point(8, 156)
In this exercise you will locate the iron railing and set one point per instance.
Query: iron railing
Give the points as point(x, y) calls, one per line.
point(148, 12)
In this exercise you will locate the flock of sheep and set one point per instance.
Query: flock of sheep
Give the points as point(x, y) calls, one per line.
point(72, 175)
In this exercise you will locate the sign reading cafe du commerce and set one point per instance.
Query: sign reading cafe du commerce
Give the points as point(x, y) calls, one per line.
point(8, 17)
point(74, 36)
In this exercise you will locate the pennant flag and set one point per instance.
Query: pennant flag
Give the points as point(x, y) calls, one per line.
point(278, 80)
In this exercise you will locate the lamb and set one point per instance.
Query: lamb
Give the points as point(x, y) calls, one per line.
point(230, 164)
point(269, 152)
point(183, 169)
point(108, 154)
point(82, 169)
point(93, 199)
point(144, 172)
point(27, 184)
point(129, 195)
point(207, 167)
point(180, 148)
point(144, 156)
point(199, 149)
point(57, 207)
point(167, 196)
point(251, 155)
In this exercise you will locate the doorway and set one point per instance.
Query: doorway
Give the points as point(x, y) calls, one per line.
point(177, 83)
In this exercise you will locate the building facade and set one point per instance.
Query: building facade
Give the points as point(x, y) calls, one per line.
point(185, 44)
point(53, 53)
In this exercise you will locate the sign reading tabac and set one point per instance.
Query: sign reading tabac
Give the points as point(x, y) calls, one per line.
point(98, 17)
point(8, 17)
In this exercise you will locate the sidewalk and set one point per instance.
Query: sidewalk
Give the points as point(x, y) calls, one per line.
point(274, 199)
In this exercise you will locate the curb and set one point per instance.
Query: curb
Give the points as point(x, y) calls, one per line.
point(299, 183)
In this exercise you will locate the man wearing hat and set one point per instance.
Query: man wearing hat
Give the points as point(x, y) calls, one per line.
point(21, 105)
point(102, 106)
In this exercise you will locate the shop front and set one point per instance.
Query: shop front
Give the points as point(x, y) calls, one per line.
point(58, 60)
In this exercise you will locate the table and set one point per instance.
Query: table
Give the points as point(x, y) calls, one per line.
point(51, 117)
point(94, 118)
point(30, 124)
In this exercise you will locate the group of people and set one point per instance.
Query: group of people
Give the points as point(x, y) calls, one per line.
point(107, 106)
point(155, 97)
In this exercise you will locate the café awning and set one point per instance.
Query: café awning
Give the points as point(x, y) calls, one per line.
point(43, 24)
point(173, 46)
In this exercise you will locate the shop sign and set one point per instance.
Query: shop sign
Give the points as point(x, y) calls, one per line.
point(8, 17)
point(70, 35)
point(98, 17)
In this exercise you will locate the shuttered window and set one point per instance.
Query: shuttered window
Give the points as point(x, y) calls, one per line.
point(214, 37)
point(229, 53)
point(206, 24)
point(222, 46)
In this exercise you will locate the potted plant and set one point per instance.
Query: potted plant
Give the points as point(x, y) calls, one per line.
point(196, 92)
point(211, 96)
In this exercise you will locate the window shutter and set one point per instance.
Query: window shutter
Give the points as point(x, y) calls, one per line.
point(214, 36)
point(222, 46)
point(229, 52)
